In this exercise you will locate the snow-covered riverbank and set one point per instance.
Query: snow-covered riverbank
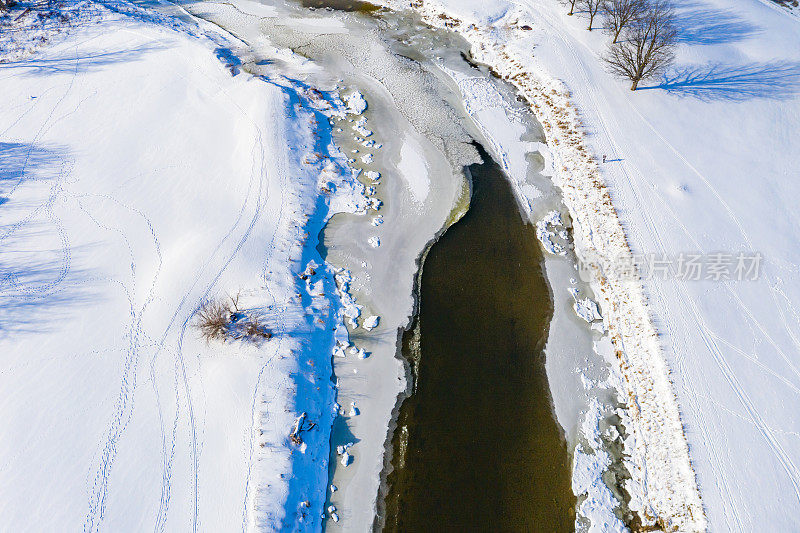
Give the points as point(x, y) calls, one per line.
point(143, 172)
point(662, 486)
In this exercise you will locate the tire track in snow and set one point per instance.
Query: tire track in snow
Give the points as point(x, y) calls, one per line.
point(705, 331)
point(259, 200)
point(647, 219)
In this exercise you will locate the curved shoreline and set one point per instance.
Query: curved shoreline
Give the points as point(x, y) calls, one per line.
point(663, 484)
point(668, 495)
point(388, 451)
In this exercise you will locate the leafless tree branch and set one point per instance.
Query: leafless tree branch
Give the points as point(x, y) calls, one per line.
point(647, 47)
point(591, 7)
point(571, 4)
point(621, 13)
point(221, 320)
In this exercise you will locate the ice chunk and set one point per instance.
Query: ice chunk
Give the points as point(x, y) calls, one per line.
point(546, 231)
point(355, 103)
point(371, 322)
point(364, 132)
point(587, 309)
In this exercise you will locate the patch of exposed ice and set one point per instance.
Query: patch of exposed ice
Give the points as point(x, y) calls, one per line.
point(414, 169)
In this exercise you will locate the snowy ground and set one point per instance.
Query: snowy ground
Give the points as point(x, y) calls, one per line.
point(142, 172)
point(702, 161)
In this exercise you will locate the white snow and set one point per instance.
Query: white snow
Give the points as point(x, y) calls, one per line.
point(585, 308)
point(141, 173)
point(589, 463)
point(361, 127)
point(371, 322)
point(547, 229)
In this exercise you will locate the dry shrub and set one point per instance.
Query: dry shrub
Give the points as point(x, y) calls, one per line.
point(214, 320)
point(221, 319)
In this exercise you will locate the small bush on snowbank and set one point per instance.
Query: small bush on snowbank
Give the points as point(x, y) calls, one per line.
point(221, 319)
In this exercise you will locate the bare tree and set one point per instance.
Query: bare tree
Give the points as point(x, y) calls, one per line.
point(571, 4)
point(648, 45)
point(592, 7)
point(621, 13)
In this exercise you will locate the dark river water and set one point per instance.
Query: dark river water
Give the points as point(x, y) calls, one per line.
point(477, 447)
point(341, 5)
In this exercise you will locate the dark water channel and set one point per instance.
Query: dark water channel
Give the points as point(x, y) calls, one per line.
point(477, 446)
point(342, 5)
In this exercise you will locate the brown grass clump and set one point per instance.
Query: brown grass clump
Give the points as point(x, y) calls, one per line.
point(214, 320)
point(221, 319)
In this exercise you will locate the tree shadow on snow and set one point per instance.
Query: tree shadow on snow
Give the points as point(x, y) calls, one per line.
point(40, 279)
point(78, 63)
point(702, 25)
point(775, 80)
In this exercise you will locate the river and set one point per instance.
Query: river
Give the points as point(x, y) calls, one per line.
point(477, 446)
point(465, 406)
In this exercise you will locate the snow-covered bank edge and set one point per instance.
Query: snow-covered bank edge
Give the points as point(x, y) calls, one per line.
point(663, 488)
point(285, 477)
